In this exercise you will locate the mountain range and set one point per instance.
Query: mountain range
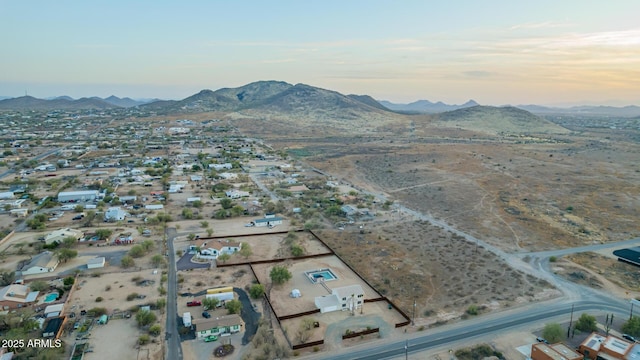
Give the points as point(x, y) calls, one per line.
point(425, 106)
point(68, 103)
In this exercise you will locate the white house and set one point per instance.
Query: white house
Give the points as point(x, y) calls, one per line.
point(53, 310)
point(75, 196)
point(61, 234)
point(96, 263)
point(115, 214)
point(228, 176)
point(216, 249)
point(350, 297)
point(268, 221)
point(236, 194)
point(6, 195)
point(224, 324)
point(218, 167)
point(41, 263)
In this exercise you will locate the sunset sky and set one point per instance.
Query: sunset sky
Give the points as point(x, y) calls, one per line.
point(495, 52)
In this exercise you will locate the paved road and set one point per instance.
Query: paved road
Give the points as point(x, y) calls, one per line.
point(174, 348)
point(594, 247)
point(255, 178)
point(437, 338)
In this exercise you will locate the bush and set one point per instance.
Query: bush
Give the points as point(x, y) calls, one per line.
point(99, 299)
point(132, 296)
point(143, 339)
point(97, 311)
point(155, 330)
point(472, 310)
point(256, 291)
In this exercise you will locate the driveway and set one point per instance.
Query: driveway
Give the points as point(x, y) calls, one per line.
point(248, 315)
point(185, 263)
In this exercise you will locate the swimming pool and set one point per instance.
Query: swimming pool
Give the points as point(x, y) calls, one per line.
point(51, 297)
point(321, 275)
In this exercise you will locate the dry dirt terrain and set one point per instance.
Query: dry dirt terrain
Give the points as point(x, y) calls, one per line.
point(518, 191)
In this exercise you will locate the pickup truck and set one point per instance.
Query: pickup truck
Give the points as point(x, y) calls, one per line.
point(194, 303)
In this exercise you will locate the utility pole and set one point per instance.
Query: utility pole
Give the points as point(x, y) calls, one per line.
point(413, 321)
point(406, 350)
point(570, 322)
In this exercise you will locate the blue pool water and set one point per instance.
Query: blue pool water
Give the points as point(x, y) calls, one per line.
point(50, 297)
point(321, 275)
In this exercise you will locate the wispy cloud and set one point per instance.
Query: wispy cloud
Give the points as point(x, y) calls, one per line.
point(541, 25)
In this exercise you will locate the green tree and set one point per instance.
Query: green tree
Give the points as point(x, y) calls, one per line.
point(187, 213)
point(632, 326)
point(103, 234)
point(160, 304)
point(191, 236)
point(220, 214)
point(237, 211)
point(38, 285)
point(136, 251)
point(65, 255)
point(233, 306)
point(7, 277)
point(297, 250)
point(553, 332)
point(209, 232)
point(155, 330)
point(279, 274)
point(68, 242)
point(256, 291)
point(204, 224)
point(127, 262)
point(69, 280)
point(144, 318)
point(157, 260)
point(148, 245)
point(78, 208)
point(210, 303)
point(245, 250)
point(197, 204)
point(226, 203)
point(587, 323)
point(223, 257)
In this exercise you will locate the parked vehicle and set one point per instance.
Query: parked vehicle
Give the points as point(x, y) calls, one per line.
point(628, 337)
point(542, 340)
point(210, 338)
point(206, 315)
point(194, 303)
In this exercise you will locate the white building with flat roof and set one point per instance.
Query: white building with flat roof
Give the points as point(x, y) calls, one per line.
point(76, 196)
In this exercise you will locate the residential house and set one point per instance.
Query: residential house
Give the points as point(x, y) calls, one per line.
point(16, 296)
point(115, 214)
point(58, 235)
point(298, 189)
point(607, 347)
point(96, 263)
point(542, 351)
point(76, 196)
point(225, 324)
point(218, 167)
point(214, 249)
point(268, 220)
point(44, 262)
point(236, 194)
point(349, 297)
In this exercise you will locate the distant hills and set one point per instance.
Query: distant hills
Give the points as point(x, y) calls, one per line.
point(67, 103)
point(585, 110)
point(497, 120)
point(425, 106)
